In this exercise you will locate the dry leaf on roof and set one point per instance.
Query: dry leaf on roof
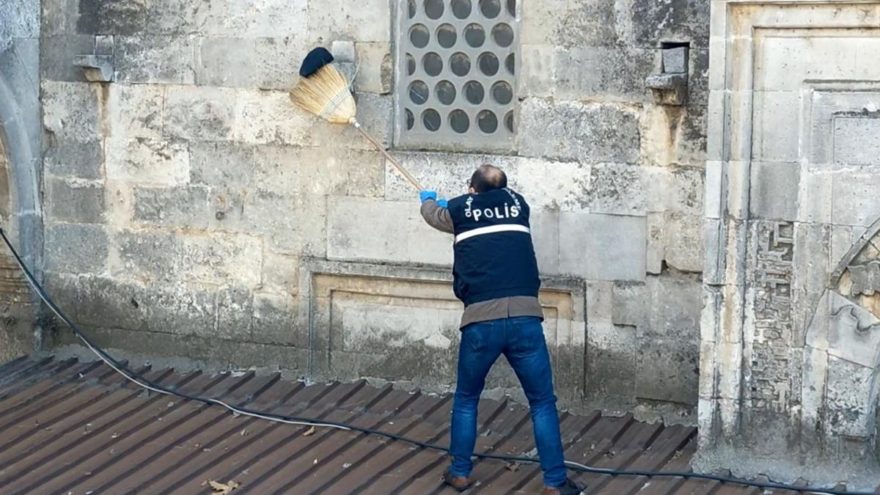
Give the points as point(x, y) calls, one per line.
point(223, 488)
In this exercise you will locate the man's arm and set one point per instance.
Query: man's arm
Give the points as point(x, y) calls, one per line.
point(436, 214)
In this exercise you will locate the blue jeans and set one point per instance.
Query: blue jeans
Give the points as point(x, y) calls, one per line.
point(521, 340)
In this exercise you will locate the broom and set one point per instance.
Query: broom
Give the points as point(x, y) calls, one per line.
point(324, 92)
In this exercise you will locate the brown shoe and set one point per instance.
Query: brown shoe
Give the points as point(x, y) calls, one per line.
point(460, 483)
point(569, 488)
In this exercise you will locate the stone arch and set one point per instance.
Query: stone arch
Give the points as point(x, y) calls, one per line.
point(841, 374)
point(20, 213)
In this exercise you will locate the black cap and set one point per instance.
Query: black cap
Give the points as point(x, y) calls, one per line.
point(317, 58)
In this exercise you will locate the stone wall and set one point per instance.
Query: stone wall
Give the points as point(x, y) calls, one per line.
point(192, 210)
point(789, 383)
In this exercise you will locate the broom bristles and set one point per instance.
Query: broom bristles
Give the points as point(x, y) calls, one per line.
point(325, 94)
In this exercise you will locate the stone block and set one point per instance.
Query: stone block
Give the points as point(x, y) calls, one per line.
point(111, 17)
point(813, 197)
point(854, 199)
point(230, 165)
point(367, 21)
point(540, 21)
point(70, 110)
point(135, 110)
point(70, 158)
point(847, 401)
point(235, 314)
point(263, 117)
point(219, 258)
point(348, 172)
point(537, 68)
point(402, 236)
point(608, 72)
point(181, 310)
point(281, 272)
point(611, 363)
point(176, 17)
point(275, 319)
point(182, 207)
point(148, 257)
point(617, 189)
point(602, 247)
point(112, 303)
point(58, 17)
point(586, 23)
point(155, 60)
point(265, 63)
point(674, 310)
point(656, 250)
point(774, 191)
point(147, 161)
point(632, 304)
point(74, 202)
point(376, 72)
point(199, 113)
point(57, 53)
point(545, 237)
point(855, 141)
point(653, 22)
point(568, 130)
point(684, 242)
point(259, 18)
point(74, 248)
point(562, 186)
point(668, 371)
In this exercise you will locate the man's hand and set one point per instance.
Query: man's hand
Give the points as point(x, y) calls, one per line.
point(442, 203)
point(426, 195)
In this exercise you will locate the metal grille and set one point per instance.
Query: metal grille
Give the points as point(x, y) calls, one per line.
point(456, 68)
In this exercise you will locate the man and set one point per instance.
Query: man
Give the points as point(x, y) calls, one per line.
point(496, 277)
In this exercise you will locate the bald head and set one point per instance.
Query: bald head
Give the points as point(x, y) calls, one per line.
point(487, 178)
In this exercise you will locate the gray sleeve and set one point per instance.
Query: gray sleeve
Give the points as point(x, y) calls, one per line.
point(437, 216)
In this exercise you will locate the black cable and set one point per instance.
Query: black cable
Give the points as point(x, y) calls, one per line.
point(144, 382)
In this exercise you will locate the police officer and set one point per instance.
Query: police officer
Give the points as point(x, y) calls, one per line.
point(496, 277)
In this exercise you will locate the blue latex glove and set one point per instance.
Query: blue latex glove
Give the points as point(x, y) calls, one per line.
point(443, 203)
point(426, 195)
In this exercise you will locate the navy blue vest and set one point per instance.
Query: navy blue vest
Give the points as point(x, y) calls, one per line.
point(494, 256)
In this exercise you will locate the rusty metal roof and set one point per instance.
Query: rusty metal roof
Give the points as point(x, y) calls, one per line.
point(78, 427)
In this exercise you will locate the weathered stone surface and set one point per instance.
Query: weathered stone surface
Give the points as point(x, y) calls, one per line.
point(198, 113)
point(74, 248)
point(135, 110)
point(602, 247)
point(147, 161)
point(609, 72)
point(281, 272)
point(618, 189)
point(367, 21)
point(71, 110)
point(183, 207)
point(266, 63)
point(70, 158)
point(774, 193)
point(155, 59)
point(57, 52)
point(274, 319)
point(673, 20)
point(263, 117)
point(74, 202)
point(537, 70)
point(668, 370)
point(402, 236)
point(577, 131)
point(235, 314)
point(375, 71)
point(684, 242)
point(262, 18)
point(854, 199)
point(111, 17)
point(855, 141)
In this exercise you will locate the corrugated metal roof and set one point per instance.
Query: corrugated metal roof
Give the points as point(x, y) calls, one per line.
point(77, 427)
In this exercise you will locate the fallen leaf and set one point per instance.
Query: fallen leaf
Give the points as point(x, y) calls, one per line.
point(309, 432)
point(512, 467)
point(223, 488)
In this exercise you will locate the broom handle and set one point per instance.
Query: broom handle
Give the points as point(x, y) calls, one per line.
point(412, 180)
